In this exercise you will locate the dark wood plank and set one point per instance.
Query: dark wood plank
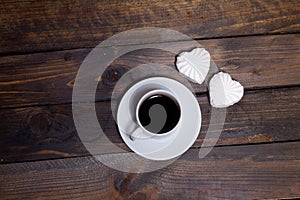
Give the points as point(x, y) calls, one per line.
point(45, 132)
point(239, 172)
point(47, 78)
point(28, 26)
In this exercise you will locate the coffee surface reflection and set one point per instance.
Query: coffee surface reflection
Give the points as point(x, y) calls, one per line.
point(159, 114)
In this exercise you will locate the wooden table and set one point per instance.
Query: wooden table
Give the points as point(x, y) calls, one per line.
point(42, 44)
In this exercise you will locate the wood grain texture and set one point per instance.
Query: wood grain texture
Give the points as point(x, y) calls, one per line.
point(34, 133)
point(28, 26)
point(238, 172)
point(48, 78)
point(41, 155)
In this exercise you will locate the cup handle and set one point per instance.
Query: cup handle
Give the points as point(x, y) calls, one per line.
point(138, 133)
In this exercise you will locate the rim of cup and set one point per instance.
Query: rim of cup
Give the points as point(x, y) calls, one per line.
point(151, 93)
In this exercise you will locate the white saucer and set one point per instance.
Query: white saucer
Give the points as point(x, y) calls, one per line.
point(171, 145)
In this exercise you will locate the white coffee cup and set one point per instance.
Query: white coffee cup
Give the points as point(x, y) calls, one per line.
point(140, 132)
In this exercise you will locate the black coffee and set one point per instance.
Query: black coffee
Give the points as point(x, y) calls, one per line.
point(159, 114)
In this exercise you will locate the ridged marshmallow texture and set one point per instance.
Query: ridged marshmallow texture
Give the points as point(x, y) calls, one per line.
point(194, 65)
point(224, 91)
